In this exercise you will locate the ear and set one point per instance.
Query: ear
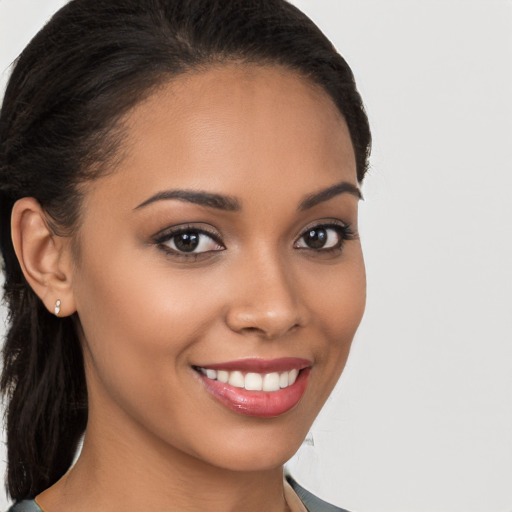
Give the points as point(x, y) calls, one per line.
point(44, 257)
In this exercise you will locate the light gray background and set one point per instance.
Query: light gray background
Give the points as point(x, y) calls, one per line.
point(422, 418)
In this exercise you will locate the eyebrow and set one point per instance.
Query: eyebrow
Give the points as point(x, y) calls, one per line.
point(232, 204)
point(217, 201)
point(328, 193)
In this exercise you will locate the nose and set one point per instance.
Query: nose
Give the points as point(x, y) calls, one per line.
point(266, 300)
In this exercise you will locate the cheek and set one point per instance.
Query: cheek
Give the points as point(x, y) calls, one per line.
point(340, 300)
point(139, 321)
point(138, 298)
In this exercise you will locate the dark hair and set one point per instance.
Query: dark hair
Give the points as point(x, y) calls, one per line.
point(59, 127)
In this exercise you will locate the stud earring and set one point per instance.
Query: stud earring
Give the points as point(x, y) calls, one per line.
point(57, 308)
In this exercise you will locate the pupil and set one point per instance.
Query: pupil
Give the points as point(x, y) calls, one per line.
point(316, 238)
point(187, 242)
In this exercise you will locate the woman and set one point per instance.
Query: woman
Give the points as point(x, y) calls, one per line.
point(179, 191)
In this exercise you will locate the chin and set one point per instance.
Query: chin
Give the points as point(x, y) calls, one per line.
point(256, 460)
point(259, 449)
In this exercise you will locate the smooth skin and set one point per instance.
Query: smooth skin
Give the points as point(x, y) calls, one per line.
point(267, 139)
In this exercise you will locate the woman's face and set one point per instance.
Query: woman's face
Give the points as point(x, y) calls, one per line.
point(224, 247)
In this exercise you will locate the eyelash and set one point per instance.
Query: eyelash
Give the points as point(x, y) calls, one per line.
point(162, 240)
point(344, 232)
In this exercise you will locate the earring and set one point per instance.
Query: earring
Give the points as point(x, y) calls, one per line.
point(57, 307)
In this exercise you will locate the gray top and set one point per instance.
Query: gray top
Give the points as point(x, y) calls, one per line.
point(311, 502)
point(25, 506)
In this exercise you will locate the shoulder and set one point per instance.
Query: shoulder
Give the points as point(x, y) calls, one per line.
point(25, 506)
point(311, 502)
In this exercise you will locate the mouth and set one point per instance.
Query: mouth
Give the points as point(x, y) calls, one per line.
point(256, 387)
point(251, 381)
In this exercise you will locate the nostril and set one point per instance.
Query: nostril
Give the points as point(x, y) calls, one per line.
point(270, 320)
point(257, 330)
point(269, 332)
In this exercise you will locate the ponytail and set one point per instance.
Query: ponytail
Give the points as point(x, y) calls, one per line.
point(43, 380)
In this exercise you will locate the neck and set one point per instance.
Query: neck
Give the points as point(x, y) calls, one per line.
point(122, 467)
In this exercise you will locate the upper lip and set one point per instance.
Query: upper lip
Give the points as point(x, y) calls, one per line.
point(258, 365)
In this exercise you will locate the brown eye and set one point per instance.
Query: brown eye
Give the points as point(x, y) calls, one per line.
point(316, 238)
point(322, 237)
point(186, 242)
point(191, 241)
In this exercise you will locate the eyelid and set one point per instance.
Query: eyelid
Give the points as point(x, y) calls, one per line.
point(344, 230)
point(163, 239)
point(166, 233)
point(327, 223)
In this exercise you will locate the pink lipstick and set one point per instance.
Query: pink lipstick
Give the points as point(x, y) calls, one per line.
point(257, 387)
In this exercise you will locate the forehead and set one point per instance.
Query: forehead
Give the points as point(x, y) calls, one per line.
point(235, 129)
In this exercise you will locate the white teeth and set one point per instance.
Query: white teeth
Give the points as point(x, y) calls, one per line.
point(211, 374)
point(253, 381)
point(271, 381)
point(236, 379)
point(222, 376)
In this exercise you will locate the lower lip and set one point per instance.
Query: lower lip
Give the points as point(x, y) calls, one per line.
point(262, 404)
